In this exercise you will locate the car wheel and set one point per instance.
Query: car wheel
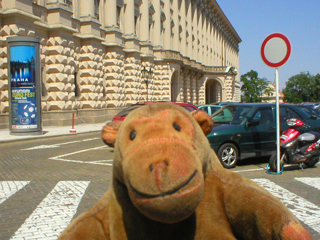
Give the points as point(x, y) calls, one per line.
point(228, 155)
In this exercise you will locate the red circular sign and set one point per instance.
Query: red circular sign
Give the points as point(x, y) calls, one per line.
point(275, 50)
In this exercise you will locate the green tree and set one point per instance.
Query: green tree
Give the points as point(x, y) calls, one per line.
point(302, 87)
point(253, 87)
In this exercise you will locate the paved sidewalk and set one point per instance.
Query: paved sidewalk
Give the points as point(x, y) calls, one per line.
point(50, 131)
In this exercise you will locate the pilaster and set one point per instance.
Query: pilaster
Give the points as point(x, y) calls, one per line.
point(114, 77)
point(132, 71)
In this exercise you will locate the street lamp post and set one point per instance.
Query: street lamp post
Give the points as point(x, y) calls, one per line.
point(146, 75)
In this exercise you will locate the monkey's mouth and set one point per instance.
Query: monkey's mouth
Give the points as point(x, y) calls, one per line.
point(170, 192)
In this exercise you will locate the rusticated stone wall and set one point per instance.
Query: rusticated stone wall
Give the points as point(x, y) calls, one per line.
point(58, 78)
point(92, 55)
point(114, 77)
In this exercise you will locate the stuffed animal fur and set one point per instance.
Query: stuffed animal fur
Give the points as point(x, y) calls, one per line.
point(169, 184)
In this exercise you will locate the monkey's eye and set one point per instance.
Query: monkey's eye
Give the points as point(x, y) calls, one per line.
point(176, 127)
point(133, 134)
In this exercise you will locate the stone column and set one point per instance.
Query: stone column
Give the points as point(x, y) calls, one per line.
point(219, 46)
point(144, 24)
point(167, 26)
point(194, 32)
point(183, 26)
point(110, 9)
point(211, 43)
point(189, 28)
point(129, 18)
point(86, 8)
point(216, 44)
point(200, 27)
point(176, 40)
point(157, 23)
point(204, 38)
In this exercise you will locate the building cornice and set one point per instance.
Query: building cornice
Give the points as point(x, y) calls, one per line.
point(223, 21)
point(14, 12)
point(56, 26)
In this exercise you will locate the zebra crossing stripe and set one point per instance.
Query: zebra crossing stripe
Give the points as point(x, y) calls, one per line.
point(304, 210)
point(8, 188)
point(313, 182)
point(54, 213)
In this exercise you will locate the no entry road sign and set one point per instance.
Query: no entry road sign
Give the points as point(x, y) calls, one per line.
point(275, 50)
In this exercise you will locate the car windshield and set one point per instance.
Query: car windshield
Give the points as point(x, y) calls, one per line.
point(231, 114)
point(310, 110)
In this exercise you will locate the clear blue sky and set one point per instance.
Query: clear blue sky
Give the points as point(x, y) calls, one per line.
point(254, 20)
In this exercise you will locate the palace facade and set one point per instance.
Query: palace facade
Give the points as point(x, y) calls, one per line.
point(94, 52)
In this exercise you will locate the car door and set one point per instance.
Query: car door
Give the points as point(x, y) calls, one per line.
point(261, 134)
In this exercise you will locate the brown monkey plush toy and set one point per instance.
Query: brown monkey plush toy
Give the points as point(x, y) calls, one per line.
point(169, 184)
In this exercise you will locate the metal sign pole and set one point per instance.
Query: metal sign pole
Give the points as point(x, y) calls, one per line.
point(278, 120)
point(275, 51)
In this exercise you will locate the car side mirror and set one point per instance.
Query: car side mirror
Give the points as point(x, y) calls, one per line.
point(253, 123)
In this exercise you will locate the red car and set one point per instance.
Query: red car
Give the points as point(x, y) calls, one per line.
point(123, 113)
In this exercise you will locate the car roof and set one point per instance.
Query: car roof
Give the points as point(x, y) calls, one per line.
point(259, 104)
point(251, 104)
point(300, 111)
point(124, 112)
point(178, 103)
point(205, 105)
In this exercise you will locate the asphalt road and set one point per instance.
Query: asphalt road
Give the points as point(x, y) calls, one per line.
point(45, 183)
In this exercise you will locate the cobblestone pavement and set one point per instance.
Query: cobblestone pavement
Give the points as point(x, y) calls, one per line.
point(45, 183)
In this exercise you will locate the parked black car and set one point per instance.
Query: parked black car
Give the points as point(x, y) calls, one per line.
point(246, 130)
point(310, 110)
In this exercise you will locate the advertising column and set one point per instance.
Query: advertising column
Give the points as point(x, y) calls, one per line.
point(24, 85)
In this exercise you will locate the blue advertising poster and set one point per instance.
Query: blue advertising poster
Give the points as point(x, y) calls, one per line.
point(23, 87)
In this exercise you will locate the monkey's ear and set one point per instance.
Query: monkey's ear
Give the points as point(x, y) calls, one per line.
point(204, 120)
point(110, 132)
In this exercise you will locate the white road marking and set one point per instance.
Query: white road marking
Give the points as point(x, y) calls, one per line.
point(54, 213)
point(304, 210)
point(99, 162)
point(250, 170)
point(59, 144)
point(313, 182)
point(8, 188)
point(255, 169)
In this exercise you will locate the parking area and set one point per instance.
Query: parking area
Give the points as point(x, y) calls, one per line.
point(76, 171)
